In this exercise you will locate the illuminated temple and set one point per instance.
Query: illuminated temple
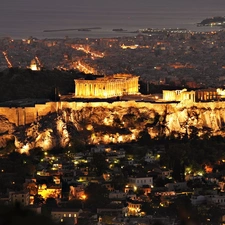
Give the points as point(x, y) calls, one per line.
point(210, 94)
point(108, 86)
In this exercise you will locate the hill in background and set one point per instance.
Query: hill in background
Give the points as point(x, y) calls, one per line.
point(24, 83)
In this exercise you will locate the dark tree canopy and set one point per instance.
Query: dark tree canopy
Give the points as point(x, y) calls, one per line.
point(25, 83)
point(16, 216)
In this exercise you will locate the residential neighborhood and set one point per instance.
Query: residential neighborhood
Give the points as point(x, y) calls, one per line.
point(114, 184)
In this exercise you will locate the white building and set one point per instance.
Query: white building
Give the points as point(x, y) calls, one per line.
point(176, 186)
point(64, 214)
point(216, 199)
point(198, 199)
point(23, 198)
point(98, 149)
point(140, 181)
point(117, 195)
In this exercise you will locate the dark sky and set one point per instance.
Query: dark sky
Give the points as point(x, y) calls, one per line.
point(21, 17)
point(134, 4)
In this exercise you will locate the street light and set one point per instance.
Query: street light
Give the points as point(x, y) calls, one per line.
point(83, 198)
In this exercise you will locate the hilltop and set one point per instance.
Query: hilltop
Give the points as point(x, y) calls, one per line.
point(214, 21)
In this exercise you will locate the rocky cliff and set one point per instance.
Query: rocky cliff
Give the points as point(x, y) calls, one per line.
point(116, 122)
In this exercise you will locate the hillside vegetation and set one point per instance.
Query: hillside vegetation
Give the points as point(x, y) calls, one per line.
point(25, 83)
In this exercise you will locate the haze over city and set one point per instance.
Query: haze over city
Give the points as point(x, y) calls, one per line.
point(21, 19)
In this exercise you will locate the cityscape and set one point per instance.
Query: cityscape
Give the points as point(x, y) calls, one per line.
point(160, 57)
point(120, 130)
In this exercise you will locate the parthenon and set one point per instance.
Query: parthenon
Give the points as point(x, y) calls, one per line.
point(108, 86)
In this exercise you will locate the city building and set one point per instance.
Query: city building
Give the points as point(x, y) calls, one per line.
point(140, 181)
point(64, 214)
point(35, 64)
point(134, 207)
point(49, 192)
point(23, 198)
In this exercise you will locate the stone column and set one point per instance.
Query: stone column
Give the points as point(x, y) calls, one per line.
point(132, 86)
point(80, 89)
point(136, 84)
point(112, 89)
point(75, 88)
point(79, 86)
point(121, 87)
point(130, 83)
point(85, 90)
point(100, 89)
point(97, 90)
point(118, 88)
point(75, 82)
point(88, 89)
point(92, 89)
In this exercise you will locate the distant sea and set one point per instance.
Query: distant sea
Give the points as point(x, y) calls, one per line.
point(25, 18)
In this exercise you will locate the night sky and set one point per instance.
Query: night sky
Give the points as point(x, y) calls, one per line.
point(24, 17)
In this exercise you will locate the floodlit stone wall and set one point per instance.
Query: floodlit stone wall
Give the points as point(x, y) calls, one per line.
point(26, 115)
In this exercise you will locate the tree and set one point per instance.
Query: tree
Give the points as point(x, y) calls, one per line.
point(185, 211)
point(16, 215)
point(51, 203)
point(99, 163)
point(146, 207)
point(97, 195)
point(76, 145)
point(38, 200)
point(107, 219)
point(36, 153)
point(161, 182)
point(15, 156)
point(119, 182)
point(144, 138)
point(74, 203)
point(178, 171)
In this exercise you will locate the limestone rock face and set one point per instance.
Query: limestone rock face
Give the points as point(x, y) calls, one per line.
point(4, 139)
point(123, 124)
point(6, 131)
point(118, 123)
point(46, 134)
point(6, 126)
